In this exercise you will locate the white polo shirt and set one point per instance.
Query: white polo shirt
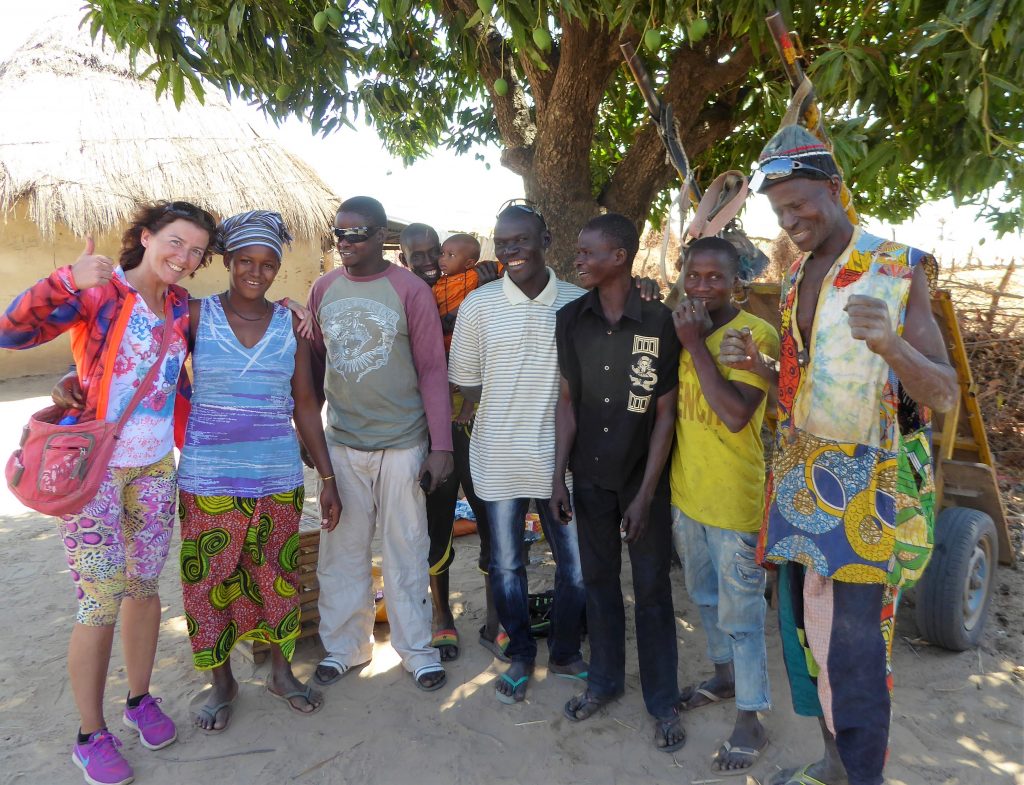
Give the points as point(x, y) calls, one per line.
point(505, 342)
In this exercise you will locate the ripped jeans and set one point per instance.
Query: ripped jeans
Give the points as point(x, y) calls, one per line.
point(727, 585)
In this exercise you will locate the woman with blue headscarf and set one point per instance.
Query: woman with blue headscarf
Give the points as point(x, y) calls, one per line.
point(240, 477)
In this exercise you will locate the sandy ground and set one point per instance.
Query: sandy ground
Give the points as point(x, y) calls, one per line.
point(958, 718)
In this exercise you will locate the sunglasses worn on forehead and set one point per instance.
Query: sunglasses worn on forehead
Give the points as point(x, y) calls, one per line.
point(189, 211)
point(355, 234)
point(522, 204)
point(779, 168)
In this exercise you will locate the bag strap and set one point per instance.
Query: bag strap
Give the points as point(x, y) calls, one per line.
point(140, 393)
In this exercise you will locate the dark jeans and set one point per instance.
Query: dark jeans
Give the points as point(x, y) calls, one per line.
point(441, 509)
point(508, 582)
point(599, 513)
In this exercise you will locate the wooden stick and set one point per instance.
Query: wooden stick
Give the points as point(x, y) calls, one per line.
point(217, 757)
point(325, 761)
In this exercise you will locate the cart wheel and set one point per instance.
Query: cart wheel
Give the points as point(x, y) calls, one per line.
point(956, 588)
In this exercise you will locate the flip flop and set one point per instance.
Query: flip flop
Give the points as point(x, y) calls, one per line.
point(701, 690)
point(568, 671)
point(428, 669)
point(801, 777)
point(753, 754)
point(446, 639)
point(496, 647)
point(587, 703)
point(332, 663)
point(662, 726)
point(518, 689)
point(210, 713)
point(306, 694)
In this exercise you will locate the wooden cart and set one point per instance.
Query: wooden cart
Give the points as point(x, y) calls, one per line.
point(971, 534)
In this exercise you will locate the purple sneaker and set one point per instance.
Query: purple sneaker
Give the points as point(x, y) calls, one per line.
point(101, 762)
point(156, 729)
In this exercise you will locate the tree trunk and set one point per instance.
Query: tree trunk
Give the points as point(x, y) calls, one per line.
point(558, 176)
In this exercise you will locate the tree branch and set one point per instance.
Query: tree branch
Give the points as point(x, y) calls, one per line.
point(512, 111)
point(694, 76)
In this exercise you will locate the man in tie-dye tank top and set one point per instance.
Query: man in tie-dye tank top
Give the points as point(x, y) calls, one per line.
point(862, 361)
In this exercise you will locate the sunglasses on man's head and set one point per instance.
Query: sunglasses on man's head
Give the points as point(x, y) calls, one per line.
point(778, 168)
point(521, 204)
point(355, 234)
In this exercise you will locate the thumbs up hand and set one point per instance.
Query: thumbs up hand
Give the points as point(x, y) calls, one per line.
point(91, 269)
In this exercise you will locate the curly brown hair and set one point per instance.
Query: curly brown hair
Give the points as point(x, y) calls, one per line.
point(155, 217)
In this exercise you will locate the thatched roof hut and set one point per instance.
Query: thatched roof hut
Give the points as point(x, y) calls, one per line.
point(83, 141)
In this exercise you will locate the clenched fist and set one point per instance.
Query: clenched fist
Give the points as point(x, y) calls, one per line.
point(870, 322)
point(692, 322)
point(738, 350)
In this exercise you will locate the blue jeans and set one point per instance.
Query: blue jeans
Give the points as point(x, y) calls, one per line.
point(507, 575)
point(727, 584)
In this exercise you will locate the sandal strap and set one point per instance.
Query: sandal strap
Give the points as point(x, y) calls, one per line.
point(211, 711)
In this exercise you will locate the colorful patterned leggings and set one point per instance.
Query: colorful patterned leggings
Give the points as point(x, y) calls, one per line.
point(117, 545)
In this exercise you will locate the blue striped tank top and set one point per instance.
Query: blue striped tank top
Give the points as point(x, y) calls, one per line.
point(240, 440)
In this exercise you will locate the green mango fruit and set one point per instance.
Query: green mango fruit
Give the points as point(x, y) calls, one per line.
point(652, 40)
point(320, 22)
point(697, 29)
point(334, 17)
point(282, 92)
point(542, 39)
point(501, 86)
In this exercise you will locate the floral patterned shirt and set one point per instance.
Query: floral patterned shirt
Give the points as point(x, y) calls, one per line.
point(149, 433)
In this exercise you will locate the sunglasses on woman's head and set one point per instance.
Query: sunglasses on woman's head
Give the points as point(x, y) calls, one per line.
point(189, 211)
point(355, 234)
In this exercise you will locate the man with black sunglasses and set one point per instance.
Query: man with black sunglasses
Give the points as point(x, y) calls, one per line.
point(383, 373)
point(850, 493)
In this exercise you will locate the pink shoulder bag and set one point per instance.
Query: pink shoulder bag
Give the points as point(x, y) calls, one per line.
point(57, 469)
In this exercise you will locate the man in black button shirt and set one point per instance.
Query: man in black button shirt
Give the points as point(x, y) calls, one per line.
point(619, 359)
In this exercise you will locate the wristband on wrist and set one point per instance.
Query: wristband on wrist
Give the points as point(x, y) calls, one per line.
point(327, 477)
point(69, 281)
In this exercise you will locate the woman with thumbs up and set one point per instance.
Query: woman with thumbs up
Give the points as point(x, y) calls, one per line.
point(117, 544)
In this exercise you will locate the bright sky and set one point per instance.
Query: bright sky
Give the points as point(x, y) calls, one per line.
point(459, 193)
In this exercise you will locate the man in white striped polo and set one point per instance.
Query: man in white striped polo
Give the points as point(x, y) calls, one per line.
point(503, 354)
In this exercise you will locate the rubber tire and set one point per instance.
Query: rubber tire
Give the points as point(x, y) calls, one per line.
point(940, 593)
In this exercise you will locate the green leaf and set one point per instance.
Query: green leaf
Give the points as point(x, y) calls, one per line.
point(1002, 84)
point(235, 18)
point(974, 101)
point(177, 86)
point(161, 82)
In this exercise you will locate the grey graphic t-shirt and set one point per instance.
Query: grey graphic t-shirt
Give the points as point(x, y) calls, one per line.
point(385, 378)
